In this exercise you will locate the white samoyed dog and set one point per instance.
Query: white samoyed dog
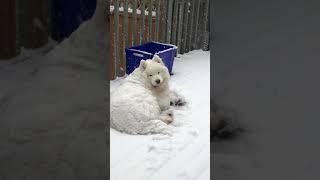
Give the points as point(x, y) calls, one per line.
point(142, 103)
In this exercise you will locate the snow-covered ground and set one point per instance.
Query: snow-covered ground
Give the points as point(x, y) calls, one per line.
point(53, 108)
point(185, 155)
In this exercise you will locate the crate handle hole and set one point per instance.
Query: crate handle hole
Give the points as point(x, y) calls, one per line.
point(139, 55)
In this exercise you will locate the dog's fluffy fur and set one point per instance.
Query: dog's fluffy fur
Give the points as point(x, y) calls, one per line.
point(141, 104)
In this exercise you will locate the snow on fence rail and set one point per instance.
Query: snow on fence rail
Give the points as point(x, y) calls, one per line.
point(184, 23)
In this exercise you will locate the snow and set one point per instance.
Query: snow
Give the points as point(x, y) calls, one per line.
point(185, 155)
point(52, 108)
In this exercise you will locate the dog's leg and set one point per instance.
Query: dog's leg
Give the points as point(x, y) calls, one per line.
point(176, 99)
point(166, 116)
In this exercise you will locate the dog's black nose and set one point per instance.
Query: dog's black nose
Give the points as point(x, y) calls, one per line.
point(158, 81)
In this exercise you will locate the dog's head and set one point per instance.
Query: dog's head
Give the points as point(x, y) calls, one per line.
point(155, 71)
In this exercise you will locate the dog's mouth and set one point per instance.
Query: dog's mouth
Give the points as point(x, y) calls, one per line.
point(155, 86)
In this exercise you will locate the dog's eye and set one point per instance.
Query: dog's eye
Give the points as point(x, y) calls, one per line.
point(150, 75)
point(158, 72)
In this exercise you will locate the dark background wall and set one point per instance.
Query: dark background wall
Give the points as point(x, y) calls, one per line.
point(266, 53)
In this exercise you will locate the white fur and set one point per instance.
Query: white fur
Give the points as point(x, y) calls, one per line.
point(140, 105)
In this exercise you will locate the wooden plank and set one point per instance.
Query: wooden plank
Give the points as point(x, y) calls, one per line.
point(191, 25)
point(125, 24)
point(188, 22)
point(134, 24)
point(195, 43)
point(180, 21)
point(111, 61)
point(163, 21)
point(130, 33)
point(121, 46)
point(157, 19)
point(116, 35)
point(175, 23)
point(205, 36)
point(125, 40)
point(8, 30)
point(142, 20)
point(184, 26)
point(169, 21)
point(150, 21)
point(154, 28)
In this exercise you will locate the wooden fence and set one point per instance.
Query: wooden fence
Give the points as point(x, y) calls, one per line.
point(184, 23)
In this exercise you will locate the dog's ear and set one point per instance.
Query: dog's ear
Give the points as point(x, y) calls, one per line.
point(143, 64)
point(157, 59)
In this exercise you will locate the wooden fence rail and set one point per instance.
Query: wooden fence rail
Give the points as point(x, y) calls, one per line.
point(183, 23)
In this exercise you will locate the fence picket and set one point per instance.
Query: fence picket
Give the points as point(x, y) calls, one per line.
point(157, 19)
point(175, 23)
point(169, 21)
point(205, 36)
point(134, 23)
point(178, 22)
point(163, 21)
point(188, 21)
point(150, 21)
point(111, 64)
point(196, 25)
point(191, 25)
point(125, 24)
point(142, 20)
point(185, 25)
point(116, 34)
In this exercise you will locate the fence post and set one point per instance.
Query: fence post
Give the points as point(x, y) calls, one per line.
point(195, 43)
point(185, 26)
point(142, 20)
point(126, 40)
point(175, 22)
point(205, 36)
point(116, 35)
point(169, 20)
point(180, 20)
point(150, 21)
point(164, 21)
point(157, 19)
point(111, 44)
point(134, 24)
point(191, 25)
point(188, 25)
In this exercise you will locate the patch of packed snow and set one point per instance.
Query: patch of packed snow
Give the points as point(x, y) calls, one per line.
point(185, 155)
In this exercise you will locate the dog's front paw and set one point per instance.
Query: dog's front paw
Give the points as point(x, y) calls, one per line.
point(176, 99)
point(178, 102)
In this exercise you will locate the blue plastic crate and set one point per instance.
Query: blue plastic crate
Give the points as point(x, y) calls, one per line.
point(135, 54)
